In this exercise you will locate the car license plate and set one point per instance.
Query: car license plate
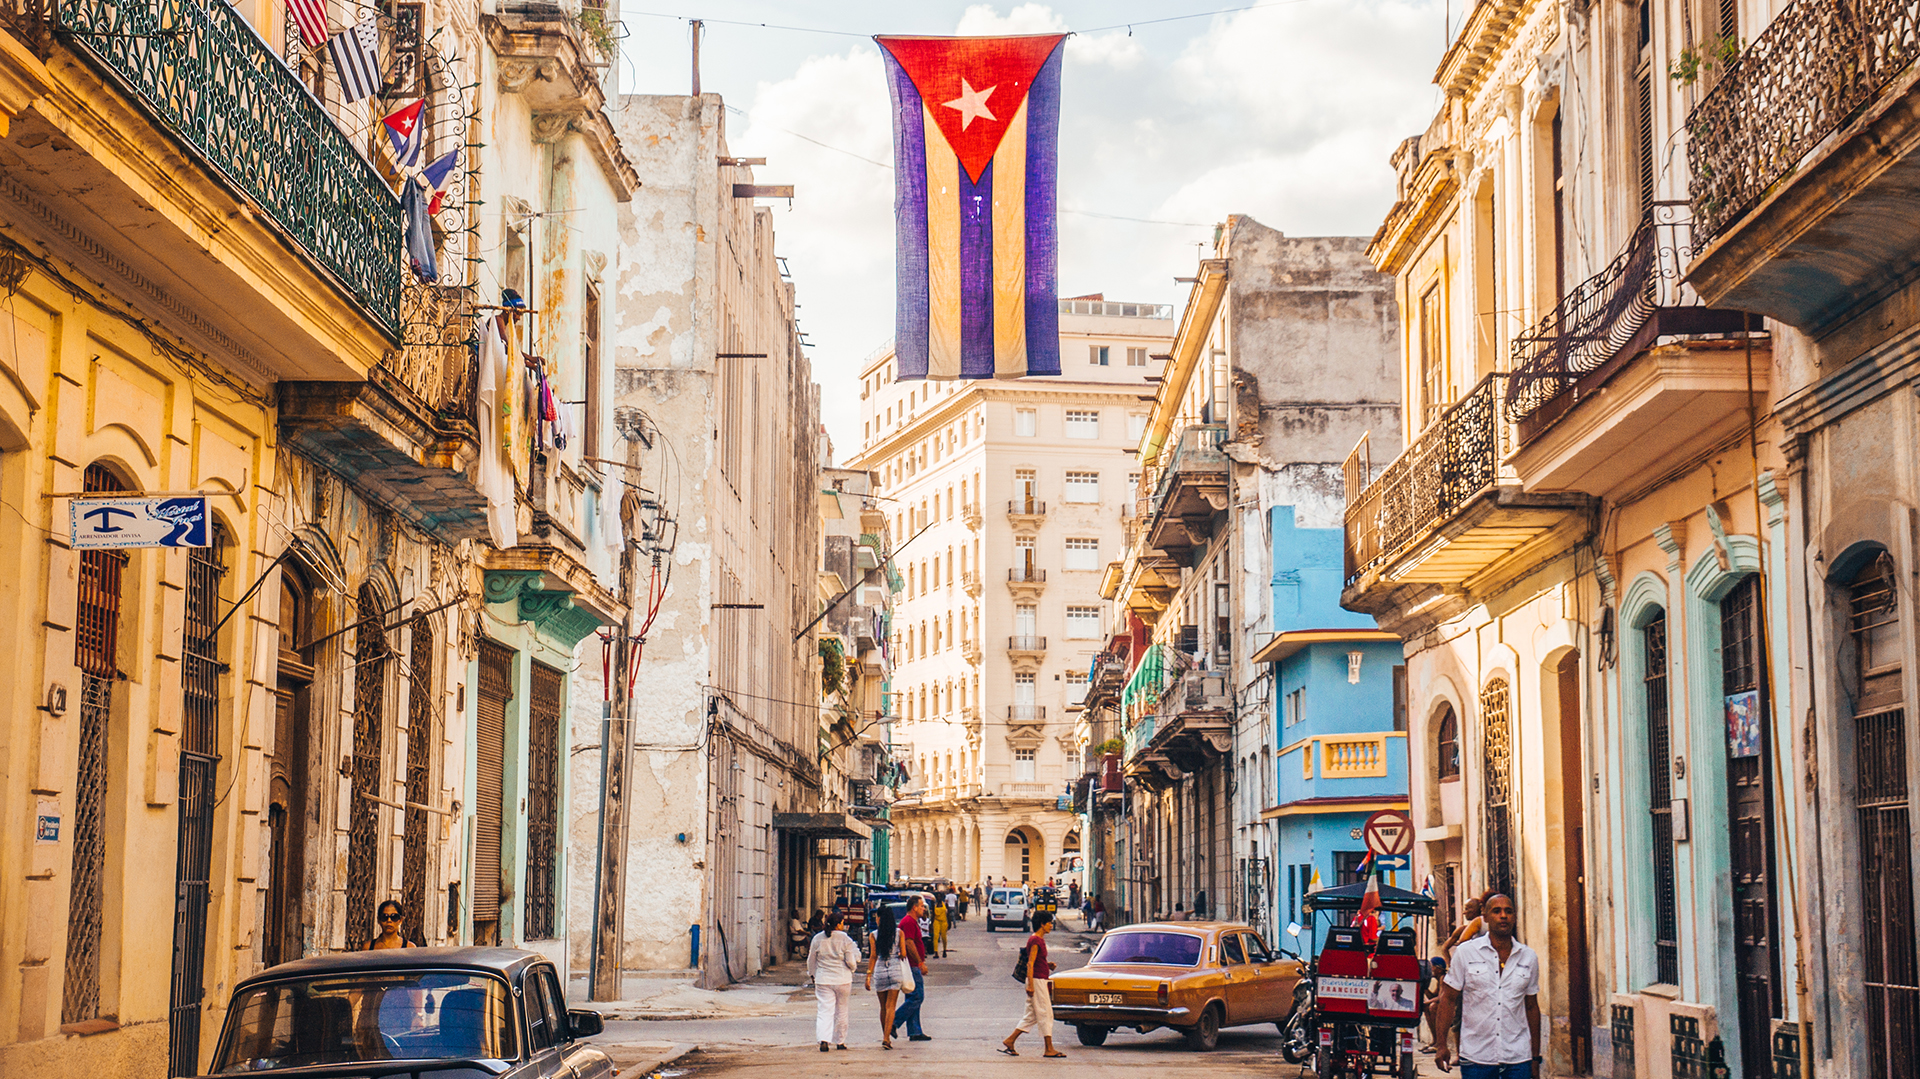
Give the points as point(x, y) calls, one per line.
point(1104, 998)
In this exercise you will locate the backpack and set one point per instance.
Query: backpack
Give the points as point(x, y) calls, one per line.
point(1020, 964)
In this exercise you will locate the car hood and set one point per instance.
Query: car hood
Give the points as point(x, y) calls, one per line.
point(388, 1069)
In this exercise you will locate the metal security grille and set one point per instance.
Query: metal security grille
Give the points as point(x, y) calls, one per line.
point(1886, 864)
point(490, 753)
point(96, 637)
point(363, 813)
point(1756, 961)
point(1666, 921)
point(420, 736)
point(1497, 752)
point(543, 799)
point(199, 763)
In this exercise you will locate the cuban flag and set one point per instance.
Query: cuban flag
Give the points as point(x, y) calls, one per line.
point(976, 123)
point(404, 130)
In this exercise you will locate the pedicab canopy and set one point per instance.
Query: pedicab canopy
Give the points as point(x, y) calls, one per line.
point(1347, 898)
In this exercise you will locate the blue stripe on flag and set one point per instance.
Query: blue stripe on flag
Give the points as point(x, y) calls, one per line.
point(912, 317)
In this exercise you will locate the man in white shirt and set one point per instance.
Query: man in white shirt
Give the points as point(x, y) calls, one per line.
point(1493, 985)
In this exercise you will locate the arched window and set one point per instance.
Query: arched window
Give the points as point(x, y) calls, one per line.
point(420, 739)
point(1497, 752)
point(363, 813)
point(1446, 747)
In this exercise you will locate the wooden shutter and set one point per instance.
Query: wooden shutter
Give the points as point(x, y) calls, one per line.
point(490, 755)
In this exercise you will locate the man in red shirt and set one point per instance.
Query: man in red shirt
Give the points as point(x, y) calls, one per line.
point(1039, 1013)
point(914, 947)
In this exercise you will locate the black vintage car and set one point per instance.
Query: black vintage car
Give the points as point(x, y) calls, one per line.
point(430, 1013)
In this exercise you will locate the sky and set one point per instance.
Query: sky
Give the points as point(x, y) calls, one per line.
point(1286, 112)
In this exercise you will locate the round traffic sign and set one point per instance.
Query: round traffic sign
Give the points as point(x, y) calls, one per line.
point(1389, 831)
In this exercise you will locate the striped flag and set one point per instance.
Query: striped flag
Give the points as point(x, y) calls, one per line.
point(356, 59)
point(311, 17)
point(976, 148)
point(405, 131)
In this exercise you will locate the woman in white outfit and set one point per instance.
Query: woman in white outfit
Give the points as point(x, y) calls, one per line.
point(832, 957)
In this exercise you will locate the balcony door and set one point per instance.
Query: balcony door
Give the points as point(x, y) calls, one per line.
point(1025, 619)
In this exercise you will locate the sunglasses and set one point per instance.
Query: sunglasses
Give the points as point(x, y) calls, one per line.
point(389, 917)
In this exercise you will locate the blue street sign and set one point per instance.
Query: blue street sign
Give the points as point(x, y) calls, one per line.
point(139, 522)
point(1387, 863)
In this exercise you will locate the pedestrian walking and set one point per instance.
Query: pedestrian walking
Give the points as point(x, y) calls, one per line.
point(1039, 1013)
point(965, 897)
point(940, 926)
point(887, 971)
point(1493, 985)
point(1099, 915)
point(1073, 895)
point(951, 899)
point(832, 957)
point(913, 947)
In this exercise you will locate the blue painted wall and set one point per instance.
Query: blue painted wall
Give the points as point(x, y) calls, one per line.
point(1309, 565)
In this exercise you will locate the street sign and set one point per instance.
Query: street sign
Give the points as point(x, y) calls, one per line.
point(139, 522)
point(1392, 863)
point(1389, 832)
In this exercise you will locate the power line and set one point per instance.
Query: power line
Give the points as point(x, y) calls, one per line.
point(1127, 26)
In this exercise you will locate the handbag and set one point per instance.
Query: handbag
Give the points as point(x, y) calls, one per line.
point(906, 976)
point(1020, 964)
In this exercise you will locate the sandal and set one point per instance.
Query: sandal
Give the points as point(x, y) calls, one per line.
point(1008, 1049)
point(1054, 1056)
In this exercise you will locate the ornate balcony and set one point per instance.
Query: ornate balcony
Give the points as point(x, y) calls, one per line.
point(1629, 372)
point(970, 515)
point(202, 72)
point(970, 583)
point(970, 651)
point(1026, 581)
point(1026, 713)
point(1027, 645)
point(1026, 514)
point(1803, 163)
point(1443, 512)
point(1189, 487)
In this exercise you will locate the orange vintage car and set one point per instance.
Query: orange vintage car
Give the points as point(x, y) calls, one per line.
point(1195, 977)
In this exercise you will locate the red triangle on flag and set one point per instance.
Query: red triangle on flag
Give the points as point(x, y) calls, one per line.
point(972, 86)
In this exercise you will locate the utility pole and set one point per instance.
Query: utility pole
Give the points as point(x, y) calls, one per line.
point(695, 24)
point(616, 751)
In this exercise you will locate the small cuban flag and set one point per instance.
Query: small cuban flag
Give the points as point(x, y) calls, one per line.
point(406, 132)
point(439, 177)
point(976, 124)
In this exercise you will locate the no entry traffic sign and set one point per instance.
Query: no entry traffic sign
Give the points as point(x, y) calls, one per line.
point(1388, 832)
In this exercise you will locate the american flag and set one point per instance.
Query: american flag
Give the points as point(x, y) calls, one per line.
point(311, 17)
point(356, 58)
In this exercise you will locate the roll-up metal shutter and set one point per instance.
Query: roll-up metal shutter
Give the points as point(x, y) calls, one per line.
point(490, 756)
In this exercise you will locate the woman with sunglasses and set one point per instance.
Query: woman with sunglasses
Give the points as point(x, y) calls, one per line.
point(387, 931)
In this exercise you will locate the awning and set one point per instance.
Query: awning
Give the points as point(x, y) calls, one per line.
point(822, 825)
point(1286, 644)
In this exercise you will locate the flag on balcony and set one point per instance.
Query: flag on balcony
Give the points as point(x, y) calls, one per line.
point(356, 59)
point(439, 177)
point(975, 132)
point(406, 132)
point(310, 16)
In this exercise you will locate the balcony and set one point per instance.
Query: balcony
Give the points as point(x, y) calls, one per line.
point(1026, 713)
point(1629, 372)
point(970, 583)
point(971, 516)
point(1026, 581)
point(1444, 512)
point(1027, 646)
point(1190, 487)
point(1803, 159)
point(1026, 513)
point(555, 53)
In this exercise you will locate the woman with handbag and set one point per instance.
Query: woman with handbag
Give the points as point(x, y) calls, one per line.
point(887, 971)
point(1039, 1013)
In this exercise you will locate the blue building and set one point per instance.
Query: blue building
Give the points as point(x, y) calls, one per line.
point(1338, 749)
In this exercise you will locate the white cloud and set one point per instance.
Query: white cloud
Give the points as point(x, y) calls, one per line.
point(1286, 113)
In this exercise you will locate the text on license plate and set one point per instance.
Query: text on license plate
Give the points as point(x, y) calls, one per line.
point(1104, 998)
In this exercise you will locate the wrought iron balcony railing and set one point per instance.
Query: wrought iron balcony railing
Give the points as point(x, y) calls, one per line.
point(27, 21)
point(1807, 74)
point(1454, 459)
point(1026, 507)
point(1588, 327)
point(201, 71)
point(1026, 575)
point(1026, 713)
point(1026, 644)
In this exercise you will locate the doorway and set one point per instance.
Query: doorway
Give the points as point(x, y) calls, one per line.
point(1756, 961)
point(1570, 993)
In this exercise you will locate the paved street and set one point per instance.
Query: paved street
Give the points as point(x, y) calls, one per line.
point(971, 1004)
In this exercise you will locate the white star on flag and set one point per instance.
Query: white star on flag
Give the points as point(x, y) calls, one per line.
point(972, 104)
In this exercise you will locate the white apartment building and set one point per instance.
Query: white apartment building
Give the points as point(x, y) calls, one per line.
point(1007, 501)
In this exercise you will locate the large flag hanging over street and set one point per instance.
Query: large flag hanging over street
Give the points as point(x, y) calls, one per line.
point(976, 124)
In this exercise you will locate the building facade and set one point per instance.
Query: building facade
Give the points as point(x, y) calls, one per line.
point(710, 376)
point(1007, 503)
point(1284, 359)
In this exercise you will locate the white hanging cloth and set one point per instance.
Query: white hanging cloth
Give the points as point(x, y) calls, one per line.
point(495, 471)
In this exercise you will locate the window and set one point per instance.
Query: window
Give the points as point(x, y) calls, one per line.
point(1024, 422)
point(1433, 353)
point(1024, 685)
point(1136, 425)
point(1083, 554)
point(1666, 922)
point(1097, 355)
point(1083, 424)
point(543, 803)
point(1026, 483)
point(1025, 617)
point(1295, 704)
point(1083, 487)
point(1136, 357)
point(1024, 566)
point(1023, 765)
point(1447, 745)
point(1083, 622)
point(1496, 734)
point(1076, 687)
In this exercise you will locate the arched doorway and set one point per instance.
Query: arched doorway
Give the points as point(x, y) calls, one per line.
point(283, 933)
point(1025, 854)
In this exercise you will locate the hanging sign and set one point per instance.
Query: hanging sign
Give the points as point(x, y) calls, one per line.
point(139, 522)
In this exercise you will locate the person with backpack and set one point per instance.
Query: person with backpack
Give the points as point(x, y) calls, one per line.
point(1034, 969)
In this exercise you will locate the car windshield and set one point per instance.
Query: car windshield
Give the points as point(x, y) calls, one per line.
point(355, 1018)
point(1007, 898)
point(1166, 949)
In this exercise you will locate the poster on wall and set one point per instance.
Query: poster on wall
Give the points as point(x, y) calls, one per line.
point(1743, 724)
